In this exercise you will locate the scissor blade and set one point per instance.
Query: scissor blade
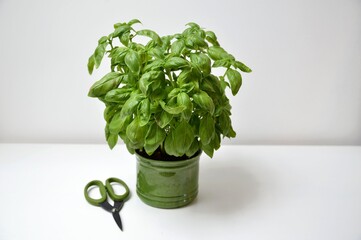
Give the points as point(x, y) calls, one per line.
point(106, 206)
point(117, 219)
point(118, 205)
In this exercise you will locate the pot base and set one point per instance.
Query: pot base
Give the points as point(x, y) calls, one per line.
point(167, 202)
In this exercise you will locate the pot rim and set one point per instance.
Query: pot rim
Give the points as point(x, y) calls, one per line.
point(196, 156)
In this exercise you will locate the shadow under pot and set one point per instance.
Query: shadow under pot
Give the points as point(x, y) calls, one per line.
point(167, 184)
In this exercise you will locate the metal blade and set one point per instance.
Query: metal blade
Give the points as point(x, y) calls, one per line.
point(117, 219)
point(118, 205)
point(106, 206)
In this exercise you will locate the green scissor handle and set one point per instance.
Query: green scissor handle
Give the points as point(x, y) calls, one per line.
point(102, 189)
point(111, 192)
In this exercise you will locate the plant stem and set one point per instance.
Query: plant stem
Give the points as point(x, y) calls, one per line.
point(162, 148)
point(225, 73)
point(170, 77)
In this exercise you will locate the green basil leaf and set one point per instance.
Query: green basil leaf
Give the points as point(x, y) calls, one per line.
point(225, 124)
point(235, 79)
point(112, 139)
point(119, 123)
point(132, 60)
point(157, 64)
point(209, 85)
point(144, 82)
point(193, 25)
point(232, 133)
point(130, 80)
point(133, 21)
point(176, 63)
point(109, 112)
point(217, 86)
point(182, 137)
point(177, 47)
point(91, 63)
point(169, 144)
point(189, 87)
point(174, 92)
point(223, 83)
point(136, 133)
point(102, 40)
point(120, 30)
point(118, 54)
point(125, 38)
point(195, 42)
point(184, 100)
point(158, 94)
point(194, 122)
point(216, 141)
point(171, 107)
point(163, 119)
point(187, 32)
point(218, 53)
point(206, 129)
point(212, 38)
point(192, 76)
point(208, 149)
point(202, 61)
point(104, 85)
point(151, 34)
point(156, 52)
point(177, 36)
point(241, 66)
point(116, 25)
point(184, 77)
point(159, 81)
point(118, 95)
point(151, 44)
point(130, 149)
point(99, 54)
point(154, 138)
point(155, 107)
point(203, 100)
point(144, 112)
point(166, 42)
point(222, 63)
point(201, 33)
point(188, 80)
point(149, 78)
point(193, 148)
point(131, 104)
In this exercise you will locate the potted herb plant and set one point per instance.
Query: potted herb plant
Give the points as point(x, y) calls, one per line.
point(163, 101)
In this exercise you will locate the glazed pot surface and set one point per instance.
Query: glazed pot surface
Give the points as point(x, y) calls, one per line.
point(167, 184)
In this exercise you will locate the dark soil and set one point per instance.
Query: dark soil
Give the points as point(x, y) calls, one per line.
point(162, 156)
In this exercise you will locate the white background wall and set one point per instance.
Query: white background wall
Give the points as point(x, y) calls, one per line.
point(306, 57)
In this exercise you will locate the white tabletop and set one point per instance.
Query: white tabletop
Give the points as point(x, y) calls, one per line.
point(245, 192)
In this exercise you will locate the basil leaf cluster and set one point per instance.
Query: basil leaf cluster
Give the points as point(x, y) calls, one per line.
point(163, 95)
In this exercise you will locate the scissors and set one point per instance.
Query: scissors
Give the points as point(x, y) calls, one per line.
point(108, 190)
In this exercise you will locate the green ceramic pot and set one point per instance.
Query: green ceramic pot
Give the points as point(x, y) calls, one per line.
point(167, 184)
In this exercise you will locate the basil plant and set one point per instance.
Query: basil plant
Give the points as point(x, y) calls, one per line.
point(161, 97)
